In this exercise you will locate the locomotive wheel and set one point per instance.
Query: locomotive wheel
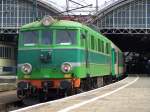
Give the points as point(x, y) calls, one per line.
point(30, 101)
point(100, 82)
point(88, 84)
point(65, 92)
point(95, 84)
point(77, 90)
point(42, 96)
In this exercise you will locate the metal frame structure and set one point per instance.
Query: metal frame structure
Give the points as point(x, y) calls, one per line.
point(15, 13)
point(124, 17)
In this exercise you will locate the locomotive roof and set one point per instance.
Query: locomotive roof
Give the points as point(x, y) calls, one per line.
point(60, 23)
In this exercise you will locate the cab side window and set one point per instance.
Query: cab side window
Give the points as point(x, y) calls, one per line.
point(83, 37)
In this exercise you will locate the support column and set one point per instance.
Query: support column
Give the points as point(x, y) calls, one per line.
point(2, 16)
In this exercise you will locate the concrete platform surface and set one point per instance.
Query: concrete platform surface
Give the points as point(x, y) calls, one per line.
point(7, 83)
point(129, 95)
point(7, 79)
point(8, 96)
point(7, 87)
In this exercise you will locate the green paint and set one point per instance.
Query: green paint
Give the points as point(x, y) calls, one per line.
point(99, 63)
point(97, 66)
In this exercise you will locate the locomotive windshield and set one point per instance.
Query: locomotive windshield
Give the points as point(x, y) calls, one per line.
point(66, 37)
point(47, 37)
point(30, 38)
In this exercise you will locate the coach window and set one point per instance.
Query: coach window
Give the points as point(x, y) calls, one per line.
point(95, 44)
point(82, 36)
point(82, 39)
point(92, 42)
point(99, 45)
point(66, 37)
point(30, 38)
point(103, 46)
point(47, 37)
point(107, 48)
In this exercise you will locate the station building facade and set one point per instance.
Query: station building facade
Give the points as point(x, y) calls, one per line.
point(15, 13)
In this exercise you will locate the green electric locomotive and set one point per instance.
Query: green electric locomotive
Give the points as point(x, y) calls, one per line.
point(64, 56)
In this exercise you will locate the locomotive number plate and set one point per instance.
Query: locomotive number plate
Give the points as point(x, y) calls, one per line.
point(26, 76)
point(67, 75)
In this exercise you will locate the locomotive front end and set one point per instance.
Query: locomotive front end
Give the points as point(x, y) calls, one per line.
point(48, 59)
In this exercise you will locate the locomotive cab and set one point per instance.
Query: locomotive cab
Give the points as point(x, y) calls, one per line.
point(48, 57)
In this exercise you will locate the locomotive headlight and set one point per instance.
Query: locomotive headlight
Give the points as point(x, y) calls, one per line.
point(47, 20)
point(66, 67)
point(26, 68)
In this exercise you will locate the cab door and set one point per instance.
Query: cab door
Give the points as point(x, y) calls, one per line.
point(113, 61)
point(84, 42)
point(85, 45)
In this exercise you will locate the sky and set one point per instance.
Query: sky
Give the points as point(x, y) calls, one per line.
point(61, 4)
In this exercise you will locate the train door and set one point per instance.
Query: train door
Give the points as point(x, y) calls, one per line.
point(84, 39)
point(120, 63)
point(115, 65)
point(113, 61)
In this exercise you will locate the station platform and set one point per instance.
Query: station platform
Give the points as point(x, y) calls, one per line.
point(7, 99)
point(8, 79)
point(7, 83)
point(131, 94)
point(9, 96)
